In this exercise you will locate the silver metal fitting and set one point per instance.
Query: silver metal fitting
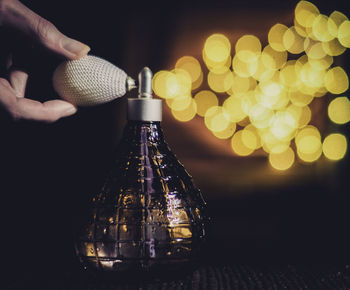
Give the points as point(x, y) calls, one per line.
point(130, 84)
point(144, 107)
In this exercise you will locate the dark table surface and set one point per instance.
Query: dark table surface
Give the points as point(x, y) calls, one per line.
point(203, 277)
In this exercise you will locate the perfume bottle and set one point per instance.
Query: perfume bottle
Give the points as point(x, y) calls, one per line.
point(148, 214)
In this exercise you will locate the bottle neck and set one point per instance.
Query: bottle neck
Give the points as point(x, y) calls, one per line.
point(137, 132)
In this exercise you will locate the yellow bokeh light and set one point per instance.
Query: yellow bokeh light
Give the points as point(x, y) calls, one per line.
point(164, 84)
point(217, 67)
point(336, 18)
point(205, 99)
point(283, 125)
point(334, 146)
point(310, 157)
point(260, 116)
point(295, 111)
point(267, 136)
point(305, 117)
point(179, 103)
point(321, 27)
point(276, 148)
point(186, 115)
point(305, 13)
point(321, 92)
point(333, 47)
point(242, 84)
point(267, 101)
point(272, 58)
point(268, 94)
point(312, 77)
point(262, 72)
point(344, 34)
point(226, 133)
point(244, 69)
point(248, 48)
point(300, 62)
point(289, 76)
point(271, 87)
point(301, 30)
point(217, 119)
point(322, 63)
point(220, 83)
point(270, 143)
point(275, 36)
point(172, 84)
point(336, 80)
point(248, 101)
point(299, 99)
point(220, 122)
point(198, 82)
point(183, 80)
point(191, 65)
point(309, 130)
point(217, 48)
point(282, 101)
point(339, 110)
point(314, 49)
point(309, 144)
point(292, 41)
point(238, 146)
point(251, 137)
point(305, 89)
point(310, 33)
point(283, 160)
point(244, 122)
point(233, 107)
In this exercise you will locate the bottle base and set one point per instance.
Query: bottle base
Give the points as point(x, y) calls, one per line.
point(141, 270)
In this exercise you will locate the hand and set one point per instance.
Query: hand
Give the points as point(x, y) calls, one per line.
point(15, 15)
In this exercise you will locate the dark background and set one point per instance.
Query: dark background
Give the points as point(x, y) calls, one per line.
point(50, 171)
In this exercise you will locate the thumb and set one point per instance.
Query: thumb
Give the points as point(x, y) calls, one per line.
point(18, 16)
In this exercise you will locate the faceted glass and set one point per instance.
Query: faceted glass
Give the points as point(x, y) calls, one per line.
point(148, 213)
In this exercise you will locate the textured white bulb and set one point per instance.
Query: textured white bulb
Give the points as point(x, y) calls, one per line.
point(89, 81)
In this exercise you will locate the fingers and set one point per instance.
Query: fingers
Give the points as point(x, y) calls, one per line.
point(22, 108)
point(18, 80)
point(14, 14)
point(49, 111)
point(22, 18)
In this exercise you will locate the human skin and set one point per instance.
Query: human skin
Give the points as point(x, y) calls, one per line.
point(19, 18)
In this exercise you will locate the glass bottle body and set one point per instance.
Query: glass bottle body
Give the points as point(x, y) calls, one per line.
point(148, 213)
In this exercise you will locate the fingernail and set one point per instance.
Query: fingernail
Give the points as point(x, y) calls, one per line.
point(75, 47)
point(72, 110)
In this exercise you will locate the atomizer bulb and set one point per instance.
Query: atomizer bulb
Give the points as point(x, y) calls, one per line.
point(91, 81)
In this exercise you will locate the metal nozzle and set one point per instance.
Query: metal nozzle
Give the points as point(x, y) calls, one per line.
point(145, 83)
point(130, 84)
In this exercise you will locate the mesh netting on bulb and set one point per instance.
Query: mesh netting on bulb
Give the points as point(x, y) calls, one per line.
point(89, 81)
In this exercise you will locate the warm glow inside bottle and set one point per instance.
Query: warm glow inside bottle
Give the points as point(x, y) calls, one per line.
point(148, 214)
